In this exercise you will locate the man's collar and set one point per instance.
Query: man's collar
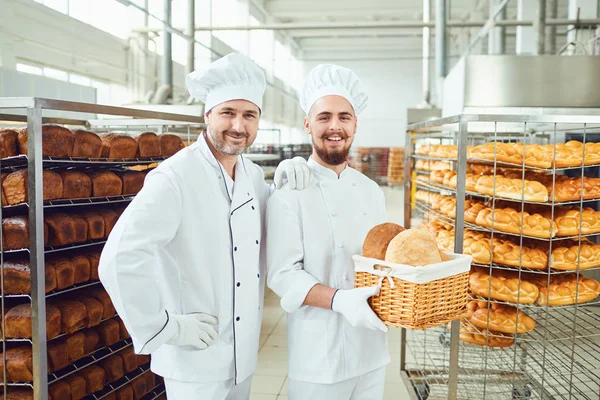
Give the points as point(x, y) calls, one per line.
point(326, 173)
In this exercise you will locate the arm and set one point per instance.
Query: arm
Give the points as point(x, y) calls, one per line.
point(128, 261)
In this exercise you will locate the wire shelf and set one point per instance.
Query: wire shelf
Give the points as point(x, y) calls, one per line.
point(155, 393)
point(58, 249)
point(118, 384)
point(20, 161)
point(55, 292)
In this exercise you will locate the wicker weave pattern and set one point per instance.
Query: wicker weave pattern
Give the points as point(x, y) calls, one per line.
point(418, 306)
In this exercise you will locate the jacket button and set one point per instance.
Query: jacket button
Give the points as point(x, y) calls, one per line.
point(253, 207)
point(237, 319)
point(238, 284)
point(235, 249)
point(258, 275)
point(257, 242)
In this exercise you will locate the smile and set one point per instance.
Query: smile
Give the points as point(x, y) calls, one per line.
point(334, 139)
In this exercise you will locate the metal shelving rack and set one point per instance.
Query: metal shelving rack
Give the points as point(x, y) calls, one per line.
point(34, 112)
point(560, 358)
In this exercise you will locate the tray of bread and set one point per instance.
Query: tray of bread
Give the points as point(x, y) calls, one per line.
point(420, 286)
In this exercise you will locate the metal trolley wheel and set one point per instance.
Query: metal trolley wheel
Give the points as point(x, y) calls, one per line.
point(422, 390)
point(521, 392)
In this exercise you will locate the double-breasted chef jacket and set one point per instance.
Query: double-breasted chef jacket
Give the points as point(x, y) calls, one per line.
point(311, 238)
point(191, 243)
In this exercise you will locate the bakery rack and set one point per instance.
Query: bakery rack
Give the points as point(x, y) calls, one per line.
point(32, 113)
point(560, 358)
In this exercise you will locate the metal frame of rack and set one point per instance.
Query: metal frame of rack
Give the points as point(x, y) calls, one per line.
point(560, 358)
point(32, 111)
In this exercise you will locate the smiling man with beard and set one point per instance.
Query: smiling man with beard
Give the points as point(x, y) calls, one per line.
point(337, 345)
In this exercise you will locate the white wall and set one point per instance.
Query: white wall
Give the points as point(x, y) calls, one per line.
point(394, 86)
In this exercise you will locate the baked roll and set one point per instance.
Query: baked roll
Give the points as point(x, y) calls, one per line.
point(513, 221)
point(565, 289)
point(572, 189)
point(499, 152)
point(499, 317)
point(504, 286)
point(472, 209)
point(86, 144)
point(378, 239)
point(14, 186)
point(509, 253)
point(572, 221)
point(569, 256)
point(483, 337)
point(444, 151)
point(57, 141)
point(423, 150)
point(512, 188)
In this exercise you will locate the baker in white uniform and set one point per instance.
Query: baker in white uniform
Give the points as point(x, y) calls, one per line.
point(337, 345)
point(183, 265)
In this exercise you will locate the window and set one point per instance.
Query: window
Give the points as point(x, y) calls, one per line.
point(80, 80)
point(30, 69)
point(261, 46)
point(102, 92)
point(56, 74)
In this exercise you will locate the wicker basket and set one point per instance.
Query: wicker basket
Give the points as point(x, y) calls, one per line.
point(417, 305)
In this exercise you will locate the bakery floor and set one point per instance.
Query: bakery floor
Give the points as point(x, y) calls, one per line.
point(271, 380)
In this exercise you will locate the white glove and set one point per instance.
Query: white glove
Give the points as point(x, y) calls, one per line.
point(295, 171)
point(352, 304)
point(196, 330)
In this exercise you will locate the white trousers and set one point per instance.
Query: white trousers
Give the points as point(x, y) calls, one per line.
point(365, 387)
point(225, 390)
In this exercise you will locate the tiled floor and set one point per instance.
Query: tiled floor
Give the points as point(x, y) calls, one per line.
point(270, 379)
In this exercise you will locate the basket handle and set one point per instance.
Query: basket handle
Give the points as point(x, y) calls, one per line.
point(386, 272)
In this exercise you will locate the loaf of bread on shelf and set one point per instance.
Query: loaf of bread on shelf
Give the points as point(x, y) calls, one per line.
point(470, 184)
point(61, 229)
point(15, 233)
point(572, 189)
point(76, 346)
point(81, 268)
point(18, 322)
point(81, 228)
point(14, 186)
point(65, 271)
point(118, 146)
point(76, 184)
point(483, 337)
point(170, 144)
point(150, 380)
point(423, 165)
point(444, 151)
point(132, 181)
point(92, 341)
point(512, 221)
point(19, 364)
point(472, 209)
point(57, 141)
point(148, 145)
point(510, 253)
point(499, 317)
point(73, 315)
point(537, 155)
point(423, 150)
point(94, 309)
point(379, 237)
point(95, 378)
point(517, 189)
point(3, 176)
point(571, 221)
point(125, 393)
point(109, 332)
point(58, 355)
point(113, 367)
point(570, 256)
point(60, 390)
point(123, 333)
point(103, 297)
point(477, 245)
point(105, 184)
point(129, 359)
point(95, 224)
point(504, 286)
point(78, 386)
point(94, 257)
point(439, 176)
point(413, 247)
point(110, 219)
point(565, 289)
point(499, 152)
point(139, 387)
point(9, 145)
point(18, 393)
point(17, 276)
point(86, 144)
point(142, 359)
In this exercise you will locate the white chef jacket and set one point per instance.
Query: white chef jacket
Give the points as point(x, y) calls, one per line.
point(311, 238)
point(183, 246)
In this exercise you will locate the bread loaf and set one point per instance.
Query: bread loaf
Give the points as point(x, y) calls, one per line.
point(113, 367)
point(105, 184)
point(504, 286)
point(76, 184)
point(125, 393)
point(109, 332)
point(438, 176)
point(101, 295)
point(65, 272)
point(60, 390)
point(142, 359)
point(94, 310)
point(123, 334)
point(58, 355)
point(423, 150)
point(470, 184)
point(118, 146)
point(14, 186)
point(19, 364)
point(78, 386)
point(86, 144)
point(73, 315)
point(94, 258)
point(512, 221)
point(472, 209)
point(572, 221)
point(57, 141)
point(379, 237)
point(81, 268)
point(509, 253)
point(413, 247)
point(17, 277)
point(8, 143)
point(170, 144)
point(81, 228)
point(95, 378)
point(572, 189)
point(61, 229)
point(92, 340)
point(483, 337)
point(139, 387)
point(17, 393)
point(110, 219)
point(444, 151)
point(569, 256)
point(499, 317)
point(148, 145)
point(18, 322)
point(76, 346)
point(132, 181)
point(499, 152)
point(95, 224)
point(477, 245)
point(512, 188)
point(565, 289)
point(150, 381)
point(15, 233)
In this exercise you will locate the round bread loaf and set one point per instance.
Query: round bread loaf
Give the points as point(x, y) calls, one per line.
point(378, 239)
point(413, 247)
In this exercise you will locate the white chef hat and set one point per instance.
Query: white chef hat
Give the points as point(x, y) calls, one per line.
point(233, 77)
point(330, 79)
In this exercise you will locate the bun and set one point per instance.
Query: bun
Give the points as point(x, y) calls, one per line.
point(413, 247)
point(378, 239)
point(504, 286)
point(499, 317)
